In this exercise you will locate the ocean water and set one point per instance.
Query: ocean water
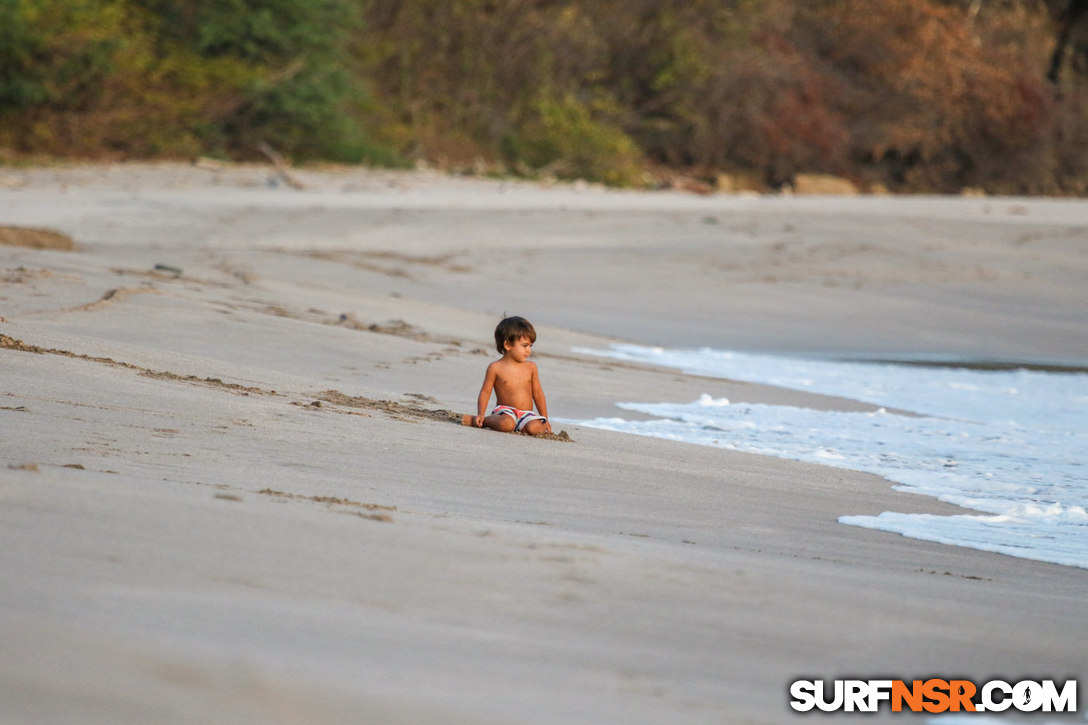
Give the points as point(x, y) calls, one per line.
point(1010, 446)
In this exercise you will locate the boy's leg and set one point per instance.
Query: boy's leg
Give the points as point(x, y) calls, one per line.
point(535, 427)
point(500, 422)
point(496, 421)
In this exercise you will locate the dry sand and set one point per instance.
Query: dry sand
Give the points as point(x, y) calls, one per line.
point(234, 486)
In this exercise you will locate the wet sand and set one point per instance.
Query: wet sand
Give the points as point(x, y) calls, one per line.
point(236, 487)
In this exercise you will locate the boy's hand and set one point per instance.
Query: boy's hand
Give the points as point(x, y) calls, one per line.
point(479, 421)
point(547, 427)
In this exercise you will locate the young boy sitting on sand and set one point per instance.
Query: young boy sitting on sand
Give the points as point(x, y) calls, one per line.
point(515, 382)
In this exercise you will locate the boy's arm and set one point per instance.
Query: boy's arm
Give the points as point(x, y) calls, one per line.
point(539, 399)
point(485, 395)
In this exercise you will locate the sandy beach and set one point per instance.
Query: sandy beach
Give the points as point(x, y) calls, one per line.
point(234, 488)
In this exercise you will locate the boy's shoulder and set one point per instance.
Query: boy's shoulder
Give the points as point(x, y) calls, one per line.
point(498, 365)
point(503, 364)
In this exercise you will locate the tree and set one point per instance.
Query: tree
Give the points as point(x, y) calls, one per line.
point(1065, 19)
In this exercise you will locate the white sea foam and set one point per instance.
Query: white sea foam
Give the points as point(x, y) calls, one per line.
point(1009, 446)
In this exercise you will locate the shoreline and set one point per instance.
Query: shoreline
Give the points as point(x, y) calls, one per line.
point(994, 442)
point(425, 572)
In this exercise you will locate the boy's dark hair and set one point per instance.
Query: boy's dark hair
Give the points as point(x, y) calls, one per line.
point(511, 330)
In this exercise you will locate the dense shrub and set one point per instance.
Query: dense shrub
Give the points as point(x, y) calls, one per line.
point(56, 53)
point(930, 106)
point(152, 77)
point(293, 88)
point(561, 137)
point(916, 95)
point(459, 78)
point(57, 57)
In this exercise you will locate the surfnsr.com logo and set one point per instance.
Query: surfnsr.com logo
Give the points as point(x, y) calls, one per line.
point(933, 696)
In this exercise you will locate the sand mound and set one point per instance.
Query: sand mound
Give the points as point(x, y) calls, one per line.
point(35, 238)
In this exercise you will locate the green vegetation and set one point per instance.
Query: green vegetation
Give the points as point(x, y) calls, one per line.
point(912, 95)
